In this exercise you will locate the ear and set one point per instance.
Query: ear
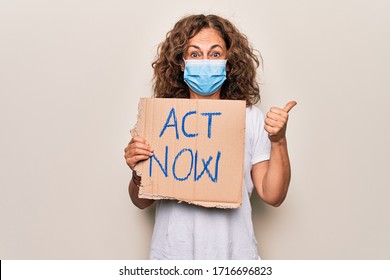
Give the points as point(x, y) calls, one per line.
point(227, 66)
point(182, 65)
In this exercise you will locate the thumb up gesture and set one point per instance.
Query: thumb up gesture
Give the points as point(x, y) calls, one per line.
point(276, 121)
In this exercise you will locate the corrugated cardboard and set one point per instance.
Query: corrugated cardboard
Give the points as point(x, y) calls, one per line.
point(198, 150)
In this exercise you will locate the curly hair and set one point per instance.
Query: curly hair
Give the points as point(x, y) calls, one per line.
point(240, 84)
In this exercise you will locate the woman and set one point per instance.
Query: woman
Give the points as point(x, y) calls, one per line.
point(195, 47)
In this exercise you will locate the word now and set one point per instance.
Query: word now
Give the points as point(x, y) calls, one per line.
point(192, 161)
point(172, 122)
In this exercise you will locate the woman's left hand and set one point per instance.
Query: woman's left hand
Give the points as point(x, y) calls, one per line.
point(276, 121)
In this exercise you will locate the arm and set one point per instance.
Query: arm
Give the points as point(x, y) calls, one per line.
point(137, 150)
point(141, 203)
point(272, 178)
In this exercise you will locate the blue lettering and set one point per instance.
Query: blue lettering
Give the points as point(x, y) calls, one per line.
point(210, 120)
point(163, 169)
point(206, 169)
point(192, 164)
point(167, 124)
point(183, 125)
point(206, 165)
point(174, 165)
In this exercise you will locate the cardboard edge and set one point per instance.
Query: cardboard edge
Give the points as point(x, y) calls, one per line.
point(221, 205)
point(138, 124)
point(135, 132)
point(207, 204)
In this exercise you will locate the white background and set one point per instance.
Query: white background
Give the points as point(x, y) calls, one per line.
point(71, 75)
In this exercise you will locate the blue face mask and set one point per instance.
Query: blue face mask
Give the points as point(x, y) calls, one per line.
point(205, 76)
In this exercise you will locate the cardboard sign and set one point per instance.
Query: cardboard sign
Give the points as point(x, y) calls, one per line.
point(198, 150)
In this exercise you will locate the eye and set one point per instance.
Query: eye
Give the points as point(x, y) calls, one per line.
point(194, 54)
point(215, 54)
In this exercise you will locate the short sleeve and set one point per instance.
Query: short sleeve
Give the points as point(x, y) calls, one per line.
point(260, 144)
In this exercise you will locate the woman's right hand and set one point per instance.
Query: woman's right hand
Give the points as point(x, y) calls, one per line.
point(137, 150)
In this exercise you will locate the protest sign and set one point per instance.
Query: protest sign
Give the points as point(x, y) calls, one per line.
point(198, 153)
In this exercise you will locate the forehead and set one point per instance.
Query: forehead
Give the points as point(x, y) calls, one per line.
point(207, 36)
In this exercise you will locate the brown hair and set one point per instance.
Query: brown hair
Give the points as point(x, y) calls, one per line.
point(240, 84)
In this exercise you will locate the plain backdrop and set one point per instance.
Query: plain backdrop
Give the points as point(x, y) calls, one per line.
point(71, 75)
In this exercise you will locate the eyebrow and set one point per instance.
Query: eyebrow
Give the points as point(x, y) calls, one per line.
point(212, 47)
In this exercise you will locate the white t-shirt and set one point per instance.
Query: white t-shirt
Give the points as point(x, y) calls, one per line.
point(185, 231)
